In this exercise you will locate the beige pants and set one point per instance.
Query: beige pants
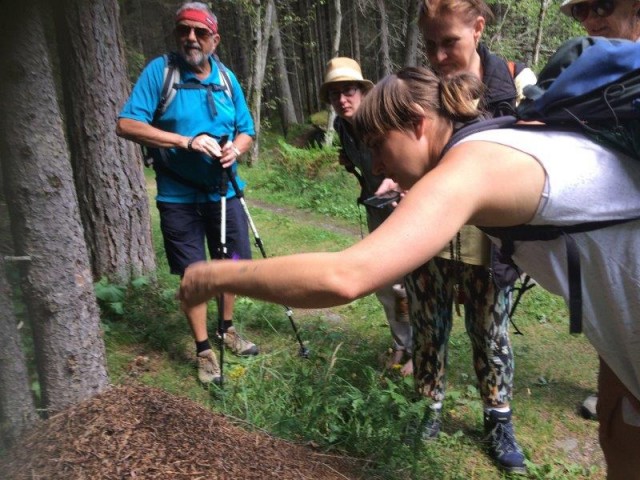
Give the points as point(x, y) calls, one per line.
point(619, 415)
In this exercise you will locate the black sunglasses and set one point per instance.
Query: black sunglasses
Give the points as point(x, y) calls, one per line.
point(201, 33)
point(350, 91)
point(602, 8)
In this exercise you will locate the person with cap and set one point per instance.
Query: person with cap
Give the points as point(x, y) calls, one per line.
point(343, 88)
point(209, 105)
point(611, 19)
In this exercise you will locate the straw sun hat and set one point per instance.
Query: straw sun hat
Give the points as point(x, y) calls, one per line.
point(343, 69)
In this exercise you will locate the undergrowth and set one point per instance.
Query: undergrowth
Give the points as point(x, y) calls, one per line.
point(343, 398)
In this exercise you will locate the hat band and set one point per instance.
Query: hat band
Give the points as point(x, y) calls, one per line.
point(348, 73)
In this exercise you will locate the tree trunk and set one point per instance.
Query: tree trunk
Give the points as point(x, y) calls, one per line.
point(260, 64)
point(544, 6)
point(45, 220)
point(384, 39)
point(411, 39)
point(335, 50)
point(328, 137)
point(17, 410)
point(108, 170)
point(356, 33)
point(287, 110)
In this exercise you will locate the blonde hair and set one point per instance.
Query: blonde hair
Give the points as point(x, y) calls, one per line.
point(399, 101)
point(467, 9)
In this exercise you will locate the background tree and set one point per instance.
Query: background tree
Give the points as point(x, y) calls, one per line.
point(413, 34)
point(17, 410)
point(287, 110)
point(544, 6)
point(335, 52)
point(45, 222)
point(262, 34)
point(380, 34)
point(108, 170)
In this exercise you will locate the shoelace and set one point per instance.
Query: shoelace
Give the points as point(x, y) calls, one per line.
point(505, 431)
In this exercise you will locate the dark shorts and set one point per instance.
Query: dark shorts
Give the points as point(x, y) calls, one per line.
point(185, 226)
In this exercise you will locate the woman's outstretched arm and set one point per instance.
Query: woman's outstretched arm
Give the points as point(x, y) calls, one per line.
point(455, 192)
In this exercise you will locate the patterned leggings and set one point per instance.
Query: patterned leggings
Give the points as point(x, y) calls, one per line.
point(430, 289)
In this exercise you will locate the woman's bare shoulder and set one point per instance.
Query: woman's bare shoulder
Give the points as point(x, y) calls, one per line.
point(508, 183)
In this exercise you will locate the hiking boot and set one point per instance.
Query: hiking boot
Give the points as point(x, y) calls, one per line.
point(426, 429)
point(431, 424)
point(208, 368)
point(588, 407)
point(237, 344)
point(502, 444)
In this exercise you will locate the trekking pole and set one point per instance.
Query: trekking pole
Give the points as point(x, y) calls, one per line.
point(304, 351)
point(222, 255)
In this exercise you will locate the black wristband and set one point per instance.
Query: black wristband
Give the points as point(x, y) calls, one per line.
point(190, 144)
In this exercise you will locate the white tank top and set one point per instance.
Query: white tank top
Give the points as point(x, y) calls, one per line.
point(585, 183)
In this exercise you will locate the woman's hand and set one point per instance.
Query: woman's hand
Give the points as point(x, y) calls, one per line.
point(389, 185)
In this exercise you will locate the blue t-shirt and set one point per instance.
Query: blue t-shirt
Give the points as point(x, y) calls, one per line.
point(190, 114)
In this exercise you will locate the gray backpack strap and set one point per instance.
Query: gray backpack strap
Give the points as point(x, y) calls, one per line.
point(171, 76)
point(224, 76)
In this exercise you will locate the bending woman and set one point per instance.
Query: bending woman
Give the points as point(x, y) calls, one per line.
point(494, 178)
point(452, 32)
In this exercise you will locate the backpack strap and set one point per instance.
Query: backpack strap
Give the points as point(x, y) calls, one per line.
point(224, 76)
point(515, 68)
point(476, 126)
point(509, 235)
point(210, 88)
point(171, 77)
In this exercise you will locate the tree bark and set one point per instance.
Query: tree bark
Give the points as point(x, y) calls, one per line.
point(17, 410)
point(411, 39)
point(328, 137)
point(356, 32)
point(384, 39)
point(287, 110)
point(45, 220)
point(108, 173)
point(262, 32)
point(335, 50)
point(544, 6)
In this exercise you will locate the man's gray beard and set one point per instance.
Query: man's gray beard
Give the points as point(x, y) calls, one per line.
point(196, 58)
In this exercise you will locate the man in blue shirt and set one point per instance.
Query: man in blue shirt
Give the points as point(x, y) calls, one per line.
point(207, 105)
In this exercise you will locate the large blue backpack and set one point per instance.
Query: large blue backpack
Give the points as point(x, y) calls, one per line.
point(590, 85)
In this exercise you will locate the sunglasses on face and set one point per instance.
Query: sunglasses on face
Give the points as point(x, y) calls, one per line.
point(201, 33)
point(334, 95)
point(602, 8)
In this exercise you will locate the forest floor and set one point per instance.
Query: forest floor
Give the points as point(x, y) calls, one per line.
point(135, 431)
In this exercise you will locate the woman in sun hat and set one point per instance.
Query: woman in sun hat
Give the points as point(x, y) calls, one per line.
point(606, 18)
point(344, 87)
